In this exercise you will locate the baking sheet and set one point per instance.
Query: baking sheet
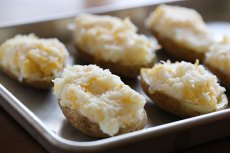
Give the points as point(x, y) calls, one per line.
point(39, 113)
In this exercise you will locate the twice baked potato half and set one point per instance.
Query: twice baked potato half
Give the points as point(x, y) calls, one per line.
point(33, 61)
point(218, 62)
point(98, 103)
point(185, 37)
point(113, 43)
point(183, 89)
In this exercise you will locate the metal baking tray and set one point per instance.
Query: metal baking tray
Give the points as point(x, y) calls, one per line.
point(38, 112)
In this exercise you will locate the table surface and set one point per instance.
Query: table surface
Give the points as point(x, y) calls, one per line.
point(13, 138)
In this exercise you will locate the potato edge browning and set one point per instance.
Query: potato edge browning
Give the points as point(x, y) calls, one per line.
point(173, 105)
point(38, 84)
point(92, 129)
point(176, 50)
point(128, 71)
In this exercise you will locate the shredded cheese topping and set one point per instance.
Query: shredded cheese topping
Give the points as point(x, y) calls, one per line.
point(186, 82)
point(100, 96)
point(113, 39)
point(30, 57)
point(183, 25)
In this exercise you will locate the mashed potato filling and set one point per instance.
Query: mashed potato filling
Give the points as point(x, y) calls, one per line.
point(183, 25)
point(30, 57)
point(113, 39)
point(186, 82)
point(100, 96)
point(219, 57)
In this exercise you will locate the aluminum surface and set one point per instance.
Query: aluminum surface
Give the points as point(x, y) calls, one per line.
point(39, 113)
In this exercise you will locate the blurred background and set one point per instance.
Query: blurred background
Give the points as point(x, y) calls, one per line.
point(20, 10)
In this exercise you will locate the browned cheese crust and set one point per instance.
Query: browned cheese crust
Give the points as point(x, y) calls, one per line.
point(39, 84)
point(224, 77)
point(176, 50)
point(169, 103)
point(84, 125)
point(129, 71)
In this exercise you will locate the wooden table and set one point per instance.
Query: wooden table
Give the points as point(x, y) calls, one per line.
point(13, 138)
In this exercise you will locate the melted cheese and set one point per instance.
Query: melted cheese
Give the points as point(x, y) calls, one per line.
point(100, 96)
point(183, 25)
point(30, 57)
point(112, 39)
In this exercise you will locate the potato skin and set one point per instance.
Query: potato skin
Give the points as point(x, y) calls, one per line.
point(38, 84)
point(92, 129)
point(224, 78)
point(129, 71)
point(176, 50)
point(171, 104)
